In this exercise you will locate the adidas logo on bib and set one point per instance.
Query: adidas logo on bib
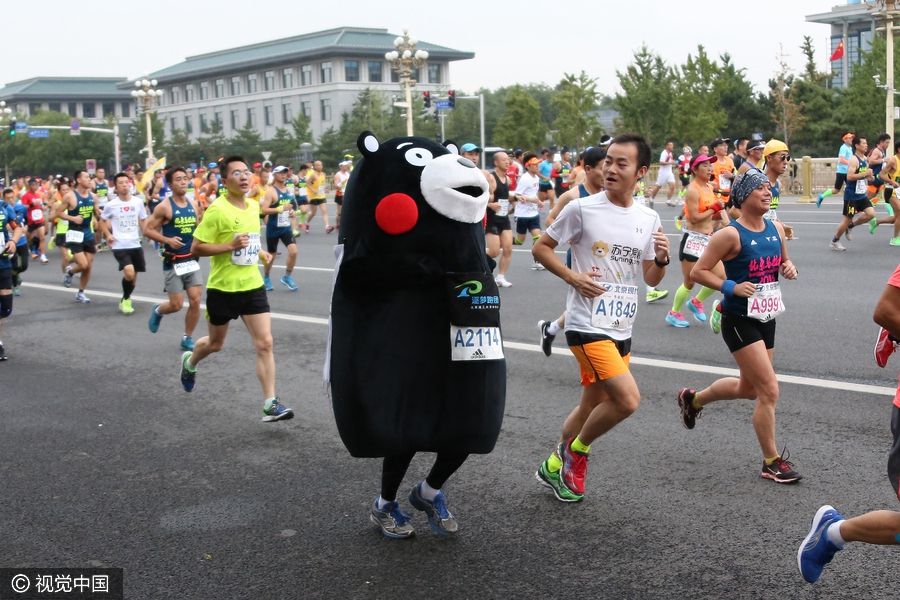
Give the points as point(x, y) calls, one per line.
point(478, 354)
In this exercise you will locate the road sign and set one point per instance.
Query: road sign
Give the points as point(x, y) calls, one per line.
point(75, 131)
point(38, 133)
point(266, 155)
point(90, 165)
point(75, 125)
point(442, 104)
point(193, 166)
point(21, 126)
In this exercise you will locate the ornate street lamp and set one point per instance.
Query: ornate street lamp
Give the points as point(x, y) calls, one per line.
point(144, 95)
point(403, 60)
point(6, 113)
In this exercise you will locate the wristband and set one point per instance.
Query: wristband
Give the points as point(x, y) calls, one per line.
point(662, 265)
point(728, 288)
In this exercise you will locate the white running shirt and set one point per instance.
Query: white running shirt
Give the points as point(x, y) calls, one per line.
point(666, 156)
point(527, 187)
point(125, 218)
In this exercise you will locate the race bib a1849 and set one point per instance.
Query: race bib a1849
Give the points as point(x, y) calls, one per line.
point(615, 308)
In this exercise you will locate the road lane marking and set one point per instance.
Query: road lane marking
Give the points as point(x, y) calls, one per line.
point(830, 384)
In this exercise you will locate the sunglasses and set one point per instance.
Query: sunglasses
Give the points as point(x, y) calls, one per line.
point(784, 157)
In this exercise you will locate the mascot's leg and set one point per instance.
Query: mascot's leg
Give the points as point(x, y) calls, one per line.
point(428, 497)
point(393, 470)
point(386, 513)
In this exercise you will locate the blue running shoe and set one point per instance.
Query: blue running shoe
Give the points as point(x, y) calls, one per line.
point(819, 201)
point(817, 550)
point(67, 278)
point(187, 343)
point(439, 517)
point(80, 297)
point(676, 319)
point(288, 281)
point(187, 377)
point(268, 283)
point(155, 320)
point(394, 523)
point(277, 412)
point(696, 308)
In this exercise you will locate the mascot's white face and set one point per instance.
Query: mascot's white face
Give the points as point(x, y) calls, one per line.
point(452, 185)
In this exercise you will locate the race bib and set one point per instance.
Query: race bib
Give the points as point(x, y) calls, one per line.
point(724, 183)
point(861, 186)
point(765, 304)
point(475, 343)
point(249, 254)
point(284, 219)
point(187, 267)
point(128, 223)
point(37, 214)
point(770, 215)
point(74, 236)
point(615, 308)
point(695, 244)
point(504, 208)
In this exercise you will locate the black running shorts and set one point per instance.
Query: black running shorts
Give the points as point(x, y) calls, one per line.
point(740, 332)
point(131, 256)
point(286, 238)
point(839, 180)
point(854, 207)
point(222, 307)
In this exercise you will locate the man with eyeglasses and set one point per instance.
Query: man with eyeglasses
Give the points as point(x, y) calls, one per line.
point(858, 208)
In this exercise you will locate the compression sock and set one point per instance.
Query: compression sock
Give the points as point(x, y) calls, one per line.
point(681, 294)
point(186, 363)
point(127, 288)
point(705, 293)
point(579, 446)
point(827, 193)
point(303, 218)
point(553, 328)
point(269, 403)
point(518, 242)
point(554, 463)
point(535, 238)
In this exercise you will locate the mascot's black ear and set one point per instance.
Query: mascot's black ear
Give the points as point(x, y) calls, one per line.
point(367, 143)
point(451, 146)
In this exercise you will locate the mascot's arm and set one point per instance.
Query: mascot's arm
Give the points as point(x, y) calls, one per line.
point(390, 271)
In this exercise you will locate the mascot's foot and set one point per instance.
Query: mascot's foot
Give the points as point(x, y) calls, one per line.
point(439, 517)
point(394, 523)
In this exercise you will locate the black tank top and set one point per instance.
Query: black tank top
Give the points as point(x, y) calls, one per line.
point(501, 191)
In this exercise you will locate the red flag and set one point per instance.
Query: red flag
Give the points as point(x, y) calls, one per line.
point(838, 53)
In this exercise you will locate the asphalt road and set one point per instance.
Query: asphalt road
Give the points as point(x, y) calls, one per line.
point(105, 461)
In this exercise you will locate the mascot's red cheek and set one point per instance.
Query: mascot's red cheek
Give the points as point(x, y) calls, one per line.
point(396, 214)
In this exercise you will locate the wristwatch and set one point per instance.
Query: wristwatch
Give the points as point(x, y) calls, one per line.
point(662, 264)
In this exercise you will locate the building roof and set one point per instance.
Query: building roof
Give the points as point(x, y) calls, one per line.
point(359, 41)
point(66, 88)
point(845, 13)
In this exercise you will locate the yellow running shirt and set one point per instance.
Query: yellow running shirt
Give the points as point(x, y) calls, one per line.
point(232, 271)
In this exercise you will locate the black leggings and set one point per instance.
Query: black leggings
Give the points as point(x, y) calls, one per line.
point(394, 469)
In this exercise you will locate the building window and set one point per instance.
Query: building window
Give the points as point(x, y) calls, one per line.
point(188, 125)
point(126, 110)
point(251, 117)
point(306, 75)
point(287, 115)
point(173, 125)
point(204, 90)
point(270, 81)
point(55, 106)
point(375, 70)
point(234, 121)
point(109, 108)
point(434, 73)
point(89, 110)
point(251, 83)
point(351, 70)
point(306, 109)
point(235, 86)
point(34, 108)
point(217, 117)
point(173, 95)
point(189, 93)
point(326, 109)
point(270, 115)
point(395, 76)
point(220, 88)
point(204, 125)
point(287, 78)
point(326, 72)
point(73, 109)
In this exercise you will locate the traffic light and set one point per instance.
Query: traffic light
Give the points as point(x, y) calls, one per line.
point(451, 97)
point(12, 129)
point(427, 96)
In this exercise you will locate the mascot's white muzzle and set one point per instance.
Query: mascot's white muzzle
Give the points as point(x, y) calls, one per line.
point(456, 188)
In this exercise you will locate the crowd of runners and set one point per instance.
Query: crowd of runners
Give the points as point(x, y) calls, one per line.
point(732, 246)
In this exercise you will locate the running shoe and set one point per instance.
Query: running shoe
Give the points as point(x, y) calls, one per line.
point(501, 281)
point(394, 523)
point(536, 266)
point(67, 278)
point(546, 338)
point(884, 347)
point(678, 223)
point(819, 201)
point(715, 318)
point(296, 233)
point(873, 224)
point(696, 307)
point(669, 203)
point(155, 320)
point(329, 229)
point(34, 256)
point(689, 414)
point(676, 319)
point(654, 295)
point(781, 471)
point(3, 356)
point(277, 412)
point(817, 550)
point(837, 246)
point(574, 468)
point(16, 291)
point(288, 282)
point(552, 481)
point(44, 260)
point(187, 342)
point(306, 228)
point(125, 306)
point(439, 516)
point(51, 243)
point(80, 297)
point(268, 283)
point(849, 235)
point(895, 241)
point(187, 377)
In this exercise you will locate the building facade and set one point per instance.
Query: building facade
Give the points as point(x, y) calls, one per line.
point(853, 24)
point(267, 84)
point(88, 99)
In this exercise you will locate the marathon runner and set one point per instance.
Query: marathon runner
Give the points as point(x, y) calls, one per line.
point(684, 172)
point(545, 189)
point(888, 175)
point(665, 176)
point(33, 201)
point(316, 185)
point(302, 198)
point(529, 204)
point(876, 158)
point(10, 232)
point(62, 226)
point(340, 186)
point(723, 170)
point(80, 210)
point(19, 258)
point(777, 157)
point(561, 171)
point(754, 157)
point(172, 224)
point(753, 251)
point(740, 154)
point(856, 202)
point(497, 232)
point(278, 207)
point(101, 189)
point(260, 185)
point(843, 164)
point(127, 216)
point(229, 233)
point(615, 241)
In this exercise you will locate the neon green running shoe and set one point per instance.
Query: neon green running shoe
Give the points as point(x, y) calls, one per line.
point(889, 209)
point(872, 225)
point(655, 295)
point(552, 481)
point(715, 318)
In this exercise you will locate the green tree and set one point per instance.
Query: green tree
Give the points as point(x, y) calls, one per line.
point(788, 115)
point(247, 143)
point(522, 125)
point(61, 152)
point(463, 124)
point(302, 132)
point(284, 147)
point(575, 102)
point(821, 109)
point(214, 145)
point(746, 111)
point(134, 142)
point(697, 116)
point(645, 104)
point(179, 149)
point(330, 149)
point(862, 102)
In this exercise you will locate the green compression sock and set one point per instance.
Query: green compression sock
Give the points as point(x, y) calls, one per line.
point(579, 446)
point(554, 464)
point(705, 293)
point(681, 295)
point(827, 193)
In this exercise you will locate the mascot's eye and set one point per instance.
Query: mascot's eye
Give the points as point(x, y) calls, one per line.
point(418, 157)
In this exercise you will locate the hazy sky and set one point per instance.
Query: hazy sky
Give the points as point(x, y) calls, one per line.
point(514, 42)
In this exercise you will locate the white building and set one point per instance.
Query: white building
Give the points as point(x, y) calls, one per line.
point(88, 99)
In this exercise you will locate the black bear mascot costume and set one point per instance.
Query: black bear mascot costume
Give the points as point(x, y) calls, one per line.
point(415, 354)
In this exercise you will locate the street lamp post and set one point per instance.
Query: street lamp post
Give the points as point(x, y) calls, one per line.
point(6, 113)
point(144, 95)
point(887, 12)
point(403, 60)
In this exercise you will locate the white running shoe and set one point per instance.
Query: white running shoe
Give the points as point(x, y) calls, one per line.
point(502, 282)
point(837, 246)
